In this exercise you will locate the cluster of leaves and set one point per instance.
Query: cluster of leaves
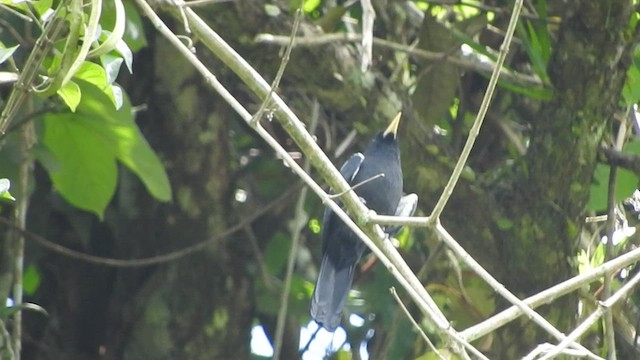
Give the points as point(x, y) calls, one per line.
point(93, 127)
point(84, 122)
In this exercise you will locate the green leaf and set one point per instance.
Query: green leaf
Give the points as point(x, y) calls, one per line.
point(111, 66)
point(134, 29)
point(31, 280)
point(5, 184)
point(631, 89)
point(70, 94)
point(97, 76)
point(93, 74)
point(144, 162)
point(5, 53)
point(87, 172)
point(626, 182)
point(311, 5)
point(118, 96)
point(86, 145)
point(127, 55)
point(42, 6)
point(130, 146)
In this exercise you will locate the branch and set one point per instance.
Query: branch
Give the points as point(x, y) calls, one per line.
point(605, 307)
point(155, 260)
point(415, 324)
point(624, 160)
point(484, 106)
point(611, 228)
point(297, 224)
point(28, 75)
point(498, 287)
point(387, 254)
point(547, 296)
point(475, 65)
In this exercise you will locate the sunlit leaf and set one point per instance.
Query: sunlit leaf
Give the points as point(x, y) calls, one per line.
point(86, 145)
point(87, 171)
point(5, 184)
point(70, 94)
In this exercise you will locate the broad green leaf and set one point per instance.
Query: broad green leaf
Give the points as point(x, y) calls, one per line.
point(86, 165)
point(125, 138)
point(144, 162)
point(86, 145)
point(70, 94)
point(96, 75)
point(93, 74)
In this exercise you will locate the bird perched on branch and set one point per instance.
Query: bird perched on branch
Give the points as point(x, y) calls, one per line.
point(341, 247)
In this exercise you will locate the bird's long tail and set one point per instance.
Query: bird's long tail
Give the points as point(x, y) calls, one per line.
point(330, 293)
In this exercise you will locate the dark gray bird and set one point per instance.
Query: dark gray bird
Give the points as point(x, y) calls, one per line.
point(341, 248)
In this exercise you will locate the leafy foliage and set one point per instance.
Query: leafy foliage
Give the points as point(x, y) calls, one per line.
point(86, 144)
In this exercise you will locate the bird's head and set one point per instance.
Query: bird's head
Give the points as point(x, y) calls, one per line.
point(386, 141)
point(392, 130)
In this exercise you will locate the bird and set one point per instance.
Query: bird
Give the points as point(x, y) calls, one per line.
point(341, 247)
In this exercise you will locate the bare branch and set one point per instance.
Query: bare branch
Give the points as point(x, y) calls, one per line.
point(415, 324)
point(604, 307)
point(547, 296)
point(475, 65)
point(484, 106)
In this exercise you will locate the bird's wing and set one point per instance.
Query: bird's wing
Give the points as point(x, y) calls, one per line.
point(350, 168)
point(406, 207)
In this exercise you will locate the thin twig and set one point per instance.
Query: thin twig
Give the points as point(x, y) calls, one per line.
point(476, 65)
point(368, 17)
point(27, 139)
point(4, 334)
point(264, 272)
point(609, 332)
point(549, 295)
point(603, 308)
point(318, 159)
point(283, 65)
point(297, 224)
point(354, 187)
point(497, 286)
point(415, 324)
point(30, 70)
point(128, 263)
point(484, 106)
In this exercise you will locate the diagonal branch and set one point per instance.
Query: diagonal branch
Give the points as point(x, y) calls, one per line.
point(547, 296)
point(296, 129)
